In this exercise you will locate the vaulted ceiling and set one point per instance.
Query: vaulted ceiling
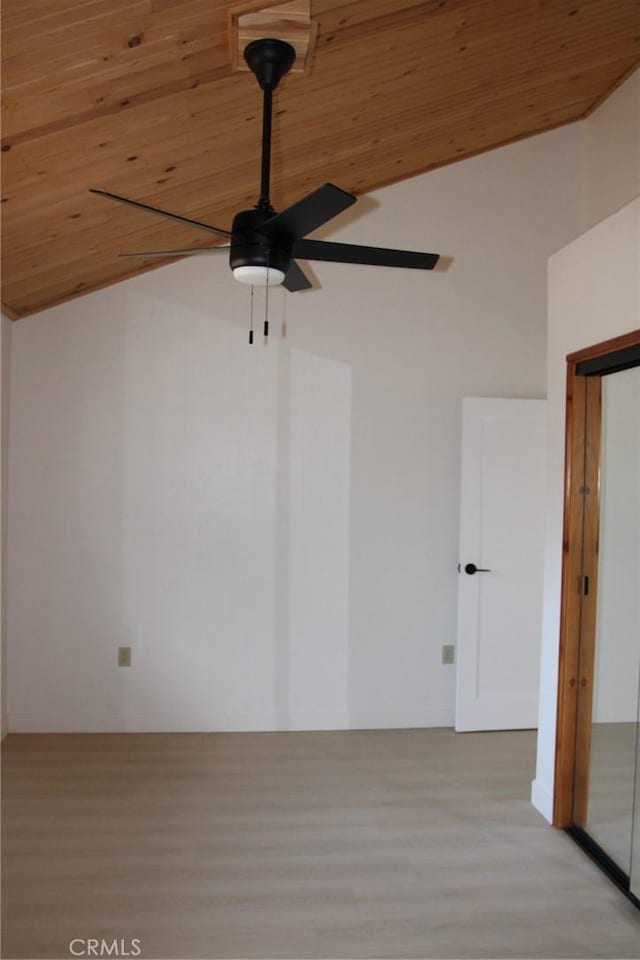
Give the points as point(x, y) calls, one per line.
point(139, 97)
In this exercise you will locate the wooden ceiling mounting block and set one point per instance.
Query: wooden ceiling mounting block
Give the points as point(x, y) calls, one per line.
point(290, 21)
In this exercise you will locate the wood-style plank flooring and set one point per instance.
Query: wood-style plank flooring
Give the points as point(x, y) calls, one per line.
point(399, 843)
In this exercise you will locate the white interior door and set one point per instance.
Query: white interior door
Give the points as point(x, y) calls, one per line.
point(501, 534)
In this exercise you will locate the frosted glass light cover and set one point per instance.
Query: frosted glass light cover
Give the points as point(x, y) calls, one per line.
point(259, 276)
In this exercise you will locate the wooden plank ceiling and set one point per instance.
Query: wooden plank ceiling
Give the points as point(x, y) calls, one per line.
point(139, 97)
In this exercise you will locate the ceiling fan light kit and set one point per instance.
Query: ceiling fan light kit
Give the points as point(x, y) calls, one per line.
point(263, 245)
point(256, 276)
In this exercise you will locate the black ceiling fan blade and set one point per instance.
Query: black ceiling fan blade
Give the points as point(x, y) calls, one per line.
point(162, 213)
point(304, 216)
point(372, 256)
point(296, 279)
point(195, 252)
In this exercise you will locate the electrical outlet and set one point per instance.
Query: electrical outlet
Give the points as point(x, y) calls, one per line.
point(448, 653)
point(124, 656)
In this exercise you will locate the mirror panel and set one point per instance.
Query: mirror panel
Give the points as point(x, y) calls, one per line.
point(634, 883)
point(614, 729)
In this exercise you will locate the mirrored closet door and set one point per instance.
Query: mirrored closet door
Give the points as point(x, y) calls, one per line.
point(616, 670)
point(598, 761)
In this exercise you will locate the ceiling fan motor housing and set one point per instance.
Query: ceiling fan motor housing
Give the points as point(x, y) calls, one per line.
point(249, 248)
point(265, 244)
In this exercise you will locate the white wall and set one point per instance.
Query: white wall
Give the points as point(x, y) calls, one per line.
point(5, 370)
point(273, 530)
point(612, 144)
point(593, 296)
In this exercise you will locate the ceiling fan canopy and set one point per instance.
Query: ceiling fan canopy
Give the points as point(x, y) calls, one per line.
point(264, 245)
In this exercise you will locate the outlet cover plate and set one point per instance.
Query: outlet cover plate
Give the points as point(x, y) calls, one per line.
point(448, 653)
point(124, 656)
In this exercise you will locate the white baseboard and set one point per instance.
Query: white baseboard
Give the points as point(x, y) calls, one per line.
point(542, 799)
point(134, 722)
point(405, 717)
point(71, 722)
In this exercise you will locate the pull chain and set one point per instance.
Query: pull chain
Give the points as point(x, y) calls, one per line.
point(284, 316)
point(266, 307)
point(251, 321)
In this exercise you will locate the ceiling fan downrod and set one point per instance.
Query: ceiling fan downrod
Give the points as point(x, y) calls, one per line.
point(269, 60)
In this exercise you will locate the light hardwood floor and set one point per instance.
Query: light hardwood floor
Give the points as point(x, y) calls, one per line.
point(399, 843)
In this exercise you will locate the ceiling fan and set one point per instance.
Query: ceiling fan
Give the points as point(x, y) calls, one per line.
point(263, 244)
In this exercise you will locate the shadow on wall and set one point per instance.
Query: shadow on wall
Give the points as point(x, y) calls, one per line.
point(312, 566)
point(206, 526)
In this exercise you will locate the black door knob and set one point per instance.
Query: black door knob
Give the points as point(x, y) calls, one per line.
point(471, 568)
